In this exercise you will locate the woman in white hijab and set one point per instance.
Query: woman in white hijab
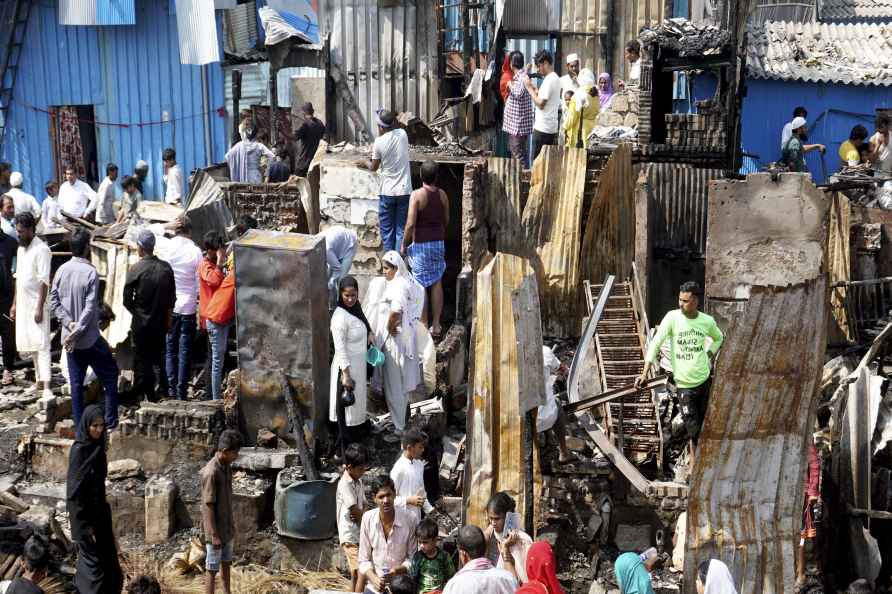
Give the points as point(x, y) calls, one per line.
point(394, 308)
point(714, 577)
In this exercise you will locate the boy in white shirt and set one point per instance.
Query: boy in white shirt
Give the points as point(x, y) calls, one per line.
point(50, 210)
point(350, 507)
point(408, 475)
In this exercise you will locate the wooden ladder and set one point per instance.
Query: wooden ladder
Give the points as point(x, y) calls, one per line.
point(633, 422)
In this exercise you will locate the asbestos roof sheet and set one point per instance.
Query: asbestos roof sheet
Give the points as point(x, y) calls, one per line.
point(856, 10)
point(855, 54)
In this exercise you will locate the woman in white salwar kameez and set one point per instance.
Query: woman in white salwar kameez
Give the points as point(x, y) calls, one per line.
point(352, 336)
point(394, 308)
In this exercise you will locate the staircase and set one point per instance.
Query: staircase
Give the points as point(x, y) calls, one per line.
point(14, 20)
point(633, 421)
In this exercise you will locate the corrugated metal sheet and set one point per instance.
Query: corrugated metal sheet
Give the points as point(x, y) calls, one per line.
point(389, 55)
point(197, 29)
point(532, 16)
point(800, 11)
point(551, 226)
point(502, 204)
point(240, 31)
point(838, 265)
point(130, 75)
point(677, 207)
point(530, 46)
point(608, 246)
point(77, 12)
point(116, 12)
point(745, 502)
point(856, 54)
point(855, 10)
point(496, 448)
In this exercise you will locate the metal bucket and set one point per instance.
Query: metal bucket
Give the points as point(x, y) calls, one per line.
point(307, 509)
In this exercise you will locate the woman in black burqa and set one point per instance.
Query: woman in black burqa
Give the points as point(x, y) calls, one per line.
point(97, 570)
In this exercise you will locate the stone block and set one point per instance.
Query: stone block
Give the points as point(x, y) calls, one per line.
point(251, 512)
point(123, 469)
point(160, 509)
point(619, 103)
point(50, 457)
point(610, 118)
point(337, 209)
point(128, 511)
point(262, 459)
point(633, 537)
point(343, 178)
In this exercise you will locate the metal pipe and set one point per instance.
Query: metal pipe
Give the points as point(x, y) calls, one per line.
point(273, 105)
point(236, 96)
point(206, 108)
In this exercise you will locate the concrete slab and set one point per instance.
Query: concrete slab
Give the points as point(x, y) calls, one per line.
point(49, 458)
point(258, 459)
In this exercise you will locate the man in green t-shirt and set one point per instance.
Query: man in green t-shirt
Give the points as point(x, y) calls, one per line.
point(688, 329)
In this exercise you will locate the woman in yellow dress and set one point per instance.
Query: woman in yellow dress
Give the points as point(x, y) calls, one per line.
point(582, 111)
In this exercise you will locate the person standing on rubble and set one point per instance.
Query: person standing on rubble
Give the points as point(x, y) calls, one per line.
point(174, 182)
point(50, 211)
point(787, 132)
point(74, 195)
point(31, 308)
point(517, 119)
point(104, 202)
point(24, 202)
point(184, 258)
point(130, 200)
point(277, 171)
point(849, 151)
point(149, 296)
point(687, 328)
point(569, 81)
point(307, 137)
point(8, 248)
point(794, 151)
point(547, 99)
point(244, 159)
point(97, 570)
point(75, 302)
point(477, 574)
point(7, 216)
point(216, 509)
point(210, 277)
point(140, 173)
point(633, 57)
point(390, 155)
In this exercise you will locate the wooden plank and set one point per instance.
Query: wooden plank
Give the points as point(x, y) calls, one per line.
point(612, 453)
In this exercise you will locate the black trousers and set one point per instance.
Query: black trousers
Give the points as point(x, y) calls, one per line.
point(7, 336)
point(148, 351)
point(97, 570)
point(541, 139)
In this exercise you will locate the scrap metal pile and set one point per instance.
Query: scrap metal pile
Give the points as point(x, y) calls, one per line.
point(685, 37)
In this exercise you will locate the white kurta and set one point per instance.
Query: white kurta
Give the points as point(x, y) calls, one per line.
point(350, 345)
point(32, 271)
point(402, 371)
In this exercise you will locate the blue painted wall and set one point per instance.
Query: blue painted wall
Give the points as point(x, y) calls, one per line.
point(130, 74)
point(832, 112)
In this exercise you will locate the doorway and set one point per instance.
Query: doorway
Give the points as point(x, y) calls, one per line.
point(73, 139)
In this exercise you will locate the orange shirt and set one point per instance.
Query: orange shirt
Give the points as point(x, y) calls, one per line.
point(209, 279)
point(221, 309)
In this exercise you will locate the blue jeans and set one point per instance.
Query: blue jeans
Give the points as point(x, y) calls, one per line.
point(217, 336)
point(98, 357)
point(392, 214)
point(178, 355)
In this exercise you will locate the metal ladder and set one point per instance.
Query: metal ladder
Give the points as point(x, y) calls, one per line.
point(633, 421)
point(15, 16)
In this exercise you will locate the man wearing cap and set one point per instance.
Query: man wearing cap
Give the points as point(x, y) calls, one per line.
point(568, 81)
point(149, 296)
point(307, 136)
point(390, 156)
point(23, 201)
point(74, 195)
point(793, 155)
point(141, 172)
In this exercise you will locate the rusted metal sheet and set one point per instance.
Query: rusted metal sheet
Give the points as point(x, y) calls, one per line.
point(112, 261)
point(838, 268)
point(502, 205)
point(746, 494)
point(500, 393)
point(550, 224)
point(282, 323)
point(677, 207)
point(608, 246)
point(275, 206)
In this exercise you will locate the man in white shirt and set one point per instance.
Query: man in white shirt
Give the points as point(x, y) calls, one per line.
point(50, 211)
point(386, 538)
point(75, 195)
point(408, 475)
point(568, 81)
point(787, 132)
point(547, 99)
point(7, 216)
point(633, 55)
point(104, 202)
point(477, 575)
point(184, 258)
point(173, 178)
point(390, 156)
point(31, 308)
point(23, 201)
point(340, 247)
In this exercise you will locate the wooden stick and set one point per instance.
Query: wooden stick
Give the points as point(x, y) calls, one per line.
point(587, 403)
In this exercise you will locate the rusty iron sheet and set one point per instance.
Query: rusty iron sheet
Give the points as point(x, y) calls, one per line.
point(608, 246)
point(502, 205)
point(677, 206)
point(282, 323)
point(746, 497)
point(550, 223)
point(495, 457)
point(277, 207)
point(838, 264)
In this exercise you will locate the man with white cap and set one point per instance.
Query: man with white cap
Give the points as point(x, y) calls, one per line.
point(74, 195)
point(793, 155)
point(390, 157)
point(149, 296)
point(23, 201)
point(568, 81)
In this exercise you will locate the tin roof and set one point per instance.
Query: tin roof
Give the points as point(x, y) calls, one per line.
point(856, 10)
point(855, 54)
